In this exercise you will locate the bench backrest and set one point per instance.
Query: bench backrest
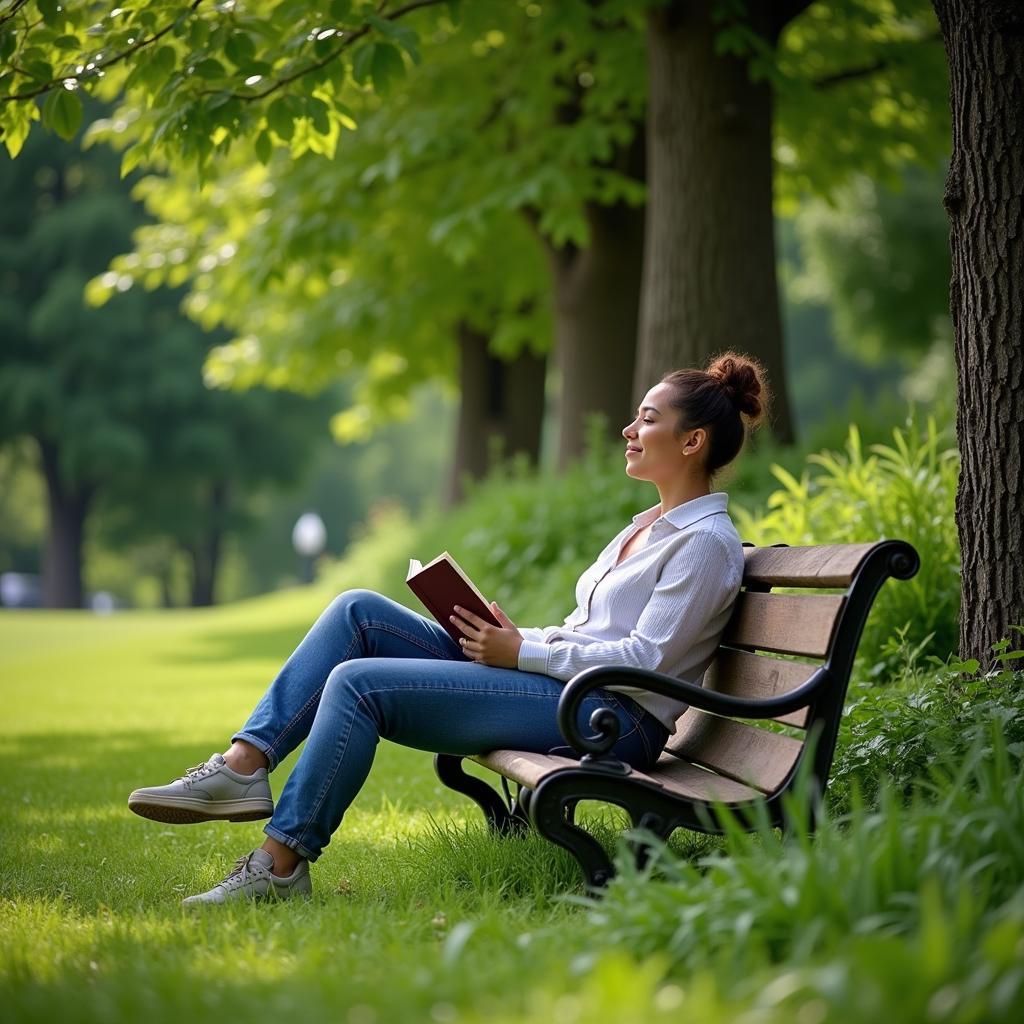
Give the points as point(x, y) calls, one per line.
point(816, 632)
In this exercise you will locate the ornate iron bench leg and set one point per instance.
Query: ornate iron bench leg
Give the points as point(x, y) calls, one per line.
point(552, 806)
point(450, 771)
point(652, 822)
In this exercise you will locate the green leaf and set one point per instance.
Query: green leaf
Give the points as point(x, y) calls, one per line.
point(263, 147)
point(341, 10)
point(404, 36)
point(40, 70)
point(362, 63)
point(131, 159)
point(209, 68)
point(62, 112)
point(281, 118)
point(16, 131)
point(67, 42)
point(240, 49)
point(388, 67)
point(317, 111)
point(51, 11)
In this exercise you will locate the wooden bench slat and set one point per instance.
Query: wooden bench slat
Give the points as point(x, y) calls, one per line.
point(753, 756)
point(522, 766)
point(688, 780)
point(784, 623)
point(820, 565)
point(670, 773)
point(757, 676)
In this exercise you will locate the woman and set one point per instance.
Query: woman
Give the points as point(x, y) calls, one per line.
point(658, 597)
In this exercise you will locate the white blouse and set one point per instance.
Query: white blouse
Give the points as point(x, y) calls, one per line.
point(664, 607)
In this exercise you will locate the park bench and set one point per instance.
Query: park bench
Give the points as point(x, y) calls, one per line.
point(721, 755)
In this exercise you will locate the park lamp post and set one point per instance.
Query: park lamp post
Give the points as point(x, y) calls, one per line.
point(309, 535)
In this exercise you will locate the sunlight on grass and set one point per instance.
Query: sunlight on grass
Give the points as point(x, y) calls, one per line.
point(91, 926)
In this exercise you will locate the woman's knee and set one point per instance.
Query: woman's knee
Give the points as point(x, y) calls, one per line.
point(351, 683)
point(358, 602)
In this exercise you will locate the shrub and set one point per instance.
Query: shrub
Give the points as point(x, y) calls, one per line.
point(936, 884)
point(903, 491)
point(891, 735)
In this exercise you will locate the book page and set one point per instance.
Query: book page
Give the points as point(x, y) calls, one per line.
point(414, 567)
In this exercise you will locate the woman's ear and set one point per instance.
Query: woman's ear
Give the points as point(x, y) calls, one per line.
point(695, 442)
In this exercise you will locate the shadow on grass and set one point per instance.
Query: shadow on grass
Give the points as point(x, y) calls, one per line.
point(274, 644)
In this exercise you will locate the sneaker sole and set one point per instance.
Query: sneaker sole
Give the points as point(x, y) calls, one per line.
point(180, 812)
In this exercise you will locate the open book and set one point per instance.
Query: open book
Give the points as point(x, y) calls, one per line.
point(441, 585)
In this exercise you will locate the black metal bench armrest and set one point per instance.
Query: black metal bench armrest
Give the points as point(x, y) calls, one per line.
point(606, 725)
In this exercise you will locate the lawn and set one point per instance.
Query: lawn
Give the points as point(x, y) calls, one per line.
point(90, 922)
point(911, 908)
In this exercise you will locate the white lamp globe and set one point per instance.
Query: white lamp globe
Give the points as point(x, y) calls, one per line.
point(309, 535)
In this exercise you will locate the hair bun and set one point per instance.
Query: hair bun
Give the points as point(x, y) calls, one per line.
point(742, 380)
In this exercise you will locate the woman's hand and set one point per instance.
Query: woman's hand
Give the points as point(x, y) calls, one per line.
point(487, 644)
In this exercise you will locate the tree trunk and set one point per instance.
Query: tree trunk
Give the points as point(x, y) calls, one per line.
point(62, 558)
point(205, 553)
point(597, 301)
point(984, 189)
point(501, 409)
point(709, 263)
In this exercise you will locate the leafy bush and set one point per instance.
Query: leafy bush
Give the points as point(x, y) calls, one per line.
point(525, 535)
point(936, 884)
point(903, 491)
point(890, 736)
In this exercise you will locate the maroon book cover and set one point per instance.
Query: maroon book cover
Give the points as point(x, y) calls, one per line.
point(441, 585)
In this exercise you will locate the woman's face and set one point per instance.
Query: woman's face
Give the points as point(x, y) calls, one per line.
point(653, 450)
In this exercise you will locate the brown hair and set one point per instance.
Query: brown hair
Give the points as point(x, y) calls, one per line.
point(728, 399)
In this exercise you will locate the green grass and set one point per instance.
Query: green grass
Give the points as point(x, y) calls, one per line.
point(90, 922)
point(910, 909)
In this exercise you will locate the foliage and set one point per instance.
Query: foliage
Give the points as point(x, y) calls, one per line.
point(514, 108)
point(202, 75)
point(888, 908)
point(862, 87)
point(22, 510)
point(892, 735)
point(117, 394)
point(429, 217)
point(905, 490)
point(879, 259)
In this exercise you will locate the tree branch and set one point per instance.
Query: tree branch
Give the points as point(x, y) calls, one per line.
point(351, 38)
point(850, 74)
point(15, 7)
point(103, 65)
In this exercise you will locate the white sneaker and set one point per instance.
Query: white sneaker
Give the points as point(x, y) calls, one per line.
point(208, 792)
point(251, 878)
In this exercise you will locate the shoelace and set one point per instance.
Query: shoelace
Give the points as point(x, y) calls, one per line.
point(197, 772)
point(243, 871)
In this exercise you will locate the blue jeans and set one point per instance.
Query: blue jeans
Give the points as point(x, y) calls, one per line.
point(371, 668)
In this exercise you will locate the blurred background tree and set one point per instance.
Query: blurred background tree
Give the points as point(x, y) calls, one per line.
point(114, 399)
point(446, 215)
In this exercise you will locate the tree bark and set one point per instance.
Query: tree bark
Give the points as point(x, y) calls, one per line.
point(596, 306)
point(62, 559)
point(709, 264)
point(984, 190)
point(205, 553)
point(501, 409)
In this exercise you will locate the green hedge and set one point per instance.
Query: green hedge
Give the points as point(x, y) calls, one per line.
point(525, 536)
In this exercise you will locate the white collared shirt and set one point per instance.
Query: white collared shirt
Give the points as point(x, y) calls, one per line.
point(664, 607)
